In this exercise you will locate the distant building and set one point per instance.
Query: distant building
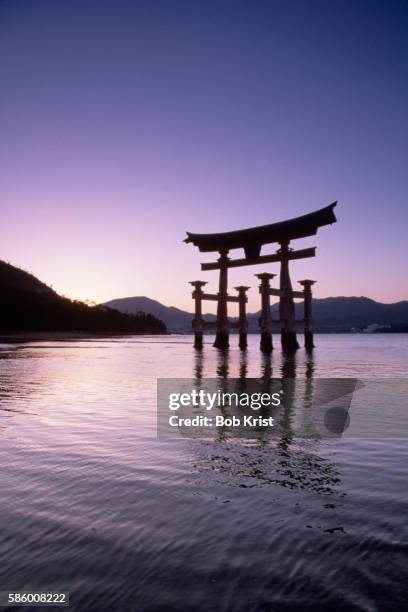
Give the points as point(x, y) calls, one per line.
point(375, 327)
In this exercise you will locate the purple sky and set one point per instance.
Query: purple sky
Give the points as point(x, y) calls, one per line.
point(124, 124)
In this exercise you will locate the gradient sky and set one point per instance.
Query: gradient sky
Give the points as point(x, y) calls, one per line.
point(124, 124)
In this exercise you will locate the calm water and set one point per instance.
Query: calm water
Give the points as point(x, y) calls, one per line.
point(93, 503)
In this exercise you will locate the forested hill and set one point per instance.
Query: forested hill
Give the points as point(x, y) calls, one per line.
point(28, 305)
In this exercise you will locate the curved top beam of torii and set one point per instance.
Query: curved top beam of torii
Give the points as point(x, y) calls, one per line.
point(252, 239)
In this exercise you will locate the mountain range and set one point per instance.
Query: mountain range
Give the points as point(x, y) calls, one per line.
point(331, 314)
point(29, 305)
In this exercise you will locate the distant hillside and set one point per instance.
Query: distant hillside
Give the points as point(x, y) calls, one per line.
point(179, 319)
point(343, 313)
point(28, 305)
point(17, 279)
point(330, 314)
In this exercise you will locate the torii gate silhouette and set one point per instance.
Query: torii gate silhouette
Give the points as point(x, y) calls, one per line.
point(251, 241)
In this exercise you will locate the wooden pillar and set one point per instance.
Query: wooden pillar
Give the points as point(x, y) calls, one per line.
point(307, 303)
point(286, 304)
point(198, 323)
point(265, 321)
point(222, 334)
point(243, 323)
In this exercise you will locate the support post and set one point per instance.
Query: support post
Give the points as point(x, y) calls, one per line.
point(307, 289)
point(222, 334)
point(198, 323)
point(265, 321)
point(286, 303)
point(243, 323)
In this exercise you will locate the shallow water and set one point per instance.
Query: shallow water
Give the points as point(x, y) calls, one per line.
point(93, 503)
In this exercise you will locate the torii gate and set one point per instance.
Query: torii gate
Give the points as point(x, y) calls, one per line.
point(251, 241)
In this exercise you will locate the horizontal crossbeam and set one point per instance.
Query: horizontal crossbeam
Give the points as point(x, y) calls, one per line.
point(281, 293)
point(214, 297)
point(262, 259)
